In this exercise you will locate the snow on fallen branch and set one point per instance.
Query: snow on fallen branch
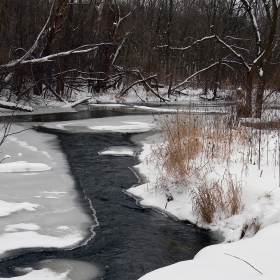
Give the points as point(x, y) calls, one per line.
point(76, 102)
point(14, 106)
point(137, 82)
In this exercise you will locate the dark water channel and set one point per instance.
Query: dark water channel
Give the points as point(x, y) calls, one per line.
point(130, 241)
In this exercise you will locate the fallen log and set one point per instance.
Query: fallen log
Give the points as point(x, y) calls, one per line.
point(14, 106)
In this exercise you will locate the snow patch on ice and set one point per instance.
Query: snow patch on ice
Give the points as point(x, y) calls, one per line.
point(6, 208)
point(31, 239)
point(22, 226)
point(63, 227)
point(125, 128)
point(22, 166)
point(117, 151)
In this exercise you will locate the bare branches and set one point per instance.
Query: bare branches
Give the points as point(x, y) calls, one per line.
point(237, 55)
point(138, 82)
point(190, 46)
point(193, 75)
point(252, 16)
point(49, 58)
point(35, 45)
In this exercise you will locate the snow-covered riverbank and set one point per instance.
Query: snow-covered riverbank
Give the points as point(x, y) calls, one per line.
point(245, 259)
point(261, 198)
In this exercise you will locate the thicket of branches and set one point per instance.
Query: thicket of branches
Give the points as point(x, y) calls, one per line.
point(61, 45)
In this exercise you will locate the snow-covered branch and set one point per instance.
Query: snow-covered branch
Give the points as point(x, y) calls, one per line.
point(119, 48)
point(252, 16)
point(144, 80)
point(237, 55)
point(138, 82)
point(51, 57)
point(193, 75)
point(190, 46)
point(32, 49)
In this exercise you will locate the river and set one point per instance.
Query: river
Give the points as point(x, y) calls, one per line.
point(129, 240)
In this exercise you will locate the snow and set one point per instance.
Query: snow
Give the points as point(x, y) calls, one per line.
point(32, 208)
point(123, 124)
point(15, 106)
point(31, 239)
point(22, 227)
point(55, 269)
point(42, 274)
point(22, 166)
point(125, 127)
point(218, 261)
point(6, 208)
point(261, 199)
point(112, 105)
point(117, 151)
point(231, 260)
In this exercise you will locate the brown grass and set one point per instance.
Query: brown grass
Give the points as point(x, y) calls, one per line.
point(250, 228)
point(192, 143)
point(215, 200)
point(191, 147)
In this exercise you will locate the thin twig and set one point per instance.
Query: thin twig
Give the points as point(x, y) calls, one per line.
point(243, 261)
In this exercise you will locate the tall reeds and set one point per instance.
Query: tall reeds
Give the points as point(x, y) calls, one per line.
point(192, 148)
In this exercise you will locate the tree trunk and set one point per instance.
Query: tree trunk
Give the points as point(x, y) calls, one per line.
point(259, 97)
point(247, 110)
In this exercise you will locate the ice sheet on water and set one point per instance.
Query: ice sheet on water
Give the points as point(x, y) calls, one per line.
point(125, 127)
point(60, 270)
point(31, 217)
point(123, 124)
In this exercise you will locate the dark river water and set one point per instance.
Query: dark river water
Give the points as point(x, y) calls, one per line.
point(130, 241)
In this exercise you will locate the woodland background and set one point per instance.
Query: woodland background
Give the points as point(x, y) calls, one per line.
point(61, 45)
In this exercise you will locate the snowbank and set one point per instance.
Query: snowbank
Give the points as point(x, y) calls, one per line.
point(252, 258)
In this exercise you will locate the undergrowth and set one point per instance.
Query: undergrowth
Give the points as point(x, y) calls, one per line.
point(194, 145)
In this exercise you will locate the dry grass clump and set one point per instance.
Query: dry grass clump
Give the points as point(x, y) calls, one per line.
point(217, 199)
point(193, 144)
point(182, 144)
point(250, 228)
